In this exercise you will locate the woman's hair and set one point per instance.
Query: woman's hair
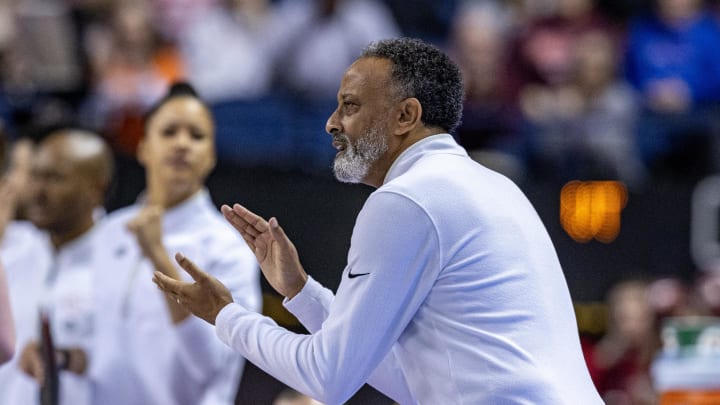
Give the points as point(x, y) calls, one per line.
point(176, 90)
point(423, 71)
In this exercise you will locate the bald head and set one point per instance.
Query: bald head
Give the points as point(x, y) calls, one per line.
point(70, 173)
point(85, 150)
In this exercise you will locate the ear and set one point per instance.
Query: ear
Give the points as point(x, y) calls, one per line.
point(409, 116)
point(98, 189)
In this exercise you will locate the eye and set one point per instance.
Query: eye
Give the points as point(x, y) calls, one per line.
point(169, 131)
point(197, 135)
point(196, 132)
point(349, 106)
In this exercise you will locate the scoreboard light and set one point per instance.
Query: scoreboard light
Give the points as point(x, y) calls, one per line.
point(591, 209)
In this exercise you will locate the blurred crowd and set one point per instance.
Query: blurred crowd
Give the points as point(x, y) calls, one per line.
point(560, 88)
point(623, 355)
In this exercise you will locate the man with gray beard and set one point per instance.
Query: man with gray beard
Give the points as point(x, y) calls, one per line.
point(453, 292)
point(353, 165)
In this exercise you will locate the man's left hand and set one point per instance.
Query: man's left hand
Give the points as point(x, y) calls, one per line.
point(204, 298)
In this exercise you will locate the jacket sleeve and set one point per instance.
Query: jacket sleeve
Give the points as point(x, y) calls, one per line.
point(394, 260)
point(312, 306)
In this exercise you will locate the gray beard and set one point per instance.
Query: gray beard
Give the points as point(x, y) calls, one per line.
point(353, 165)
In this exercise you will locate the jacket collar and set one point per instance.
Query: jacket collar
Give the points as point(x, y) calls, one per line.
point(432, 145)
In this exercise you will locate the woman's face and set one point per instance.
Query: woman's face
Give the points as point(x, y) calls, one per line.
point(178, 151)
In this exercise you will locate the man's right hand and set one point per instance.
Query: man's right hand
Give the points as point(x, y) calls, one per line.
point(274, 251)
point(31, 363)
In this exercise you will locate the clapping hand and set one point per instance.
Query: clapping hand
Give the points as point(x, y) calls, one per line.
point(276, 254)
point(147, 228)
point(204, 297)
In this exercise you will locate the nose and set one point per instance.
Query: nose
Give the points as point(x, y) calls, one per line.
point(332, 125)
point(183, 139)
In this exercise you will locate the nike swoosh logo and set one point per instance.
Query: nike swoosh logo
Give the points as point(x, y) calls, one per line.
point(351, 275)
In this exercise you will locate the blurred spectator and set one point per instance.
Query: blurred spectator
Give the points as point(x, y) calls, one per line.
point(542, 55)
point(10, 186)
point(15, 177)
point(607, 122)
point(586, 128)
point(707, 289)
point(148, 349)
point(670, 297)
point(48, 264)
point(41, 72)
point(314, 41)
point(131, 68)
point(544, 75)
point(40, 42)
point(14, 181)
point(620, 361)
point(226, 51)
point(672, 60)
point(525, 12)
point(489, 129)
point(429, 20)
point(172, 17)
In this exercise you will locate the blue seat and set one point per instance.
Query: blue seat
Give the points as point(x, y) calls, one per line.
point(254, 133)
point(275, 131)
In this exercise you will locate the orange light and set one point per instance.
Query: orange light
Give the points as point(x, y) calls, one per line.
point(591, 210)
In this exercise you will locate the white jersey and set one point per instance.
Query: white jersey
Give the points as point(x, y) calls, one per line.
point(59, 283)
point(453, 294)
point(139, 356)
